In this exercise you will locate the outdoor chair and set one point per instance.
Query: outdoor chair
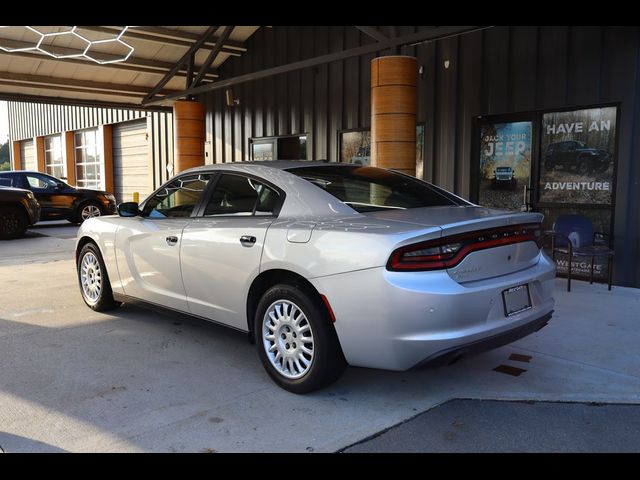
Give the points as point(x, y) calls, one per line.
point(573, 236)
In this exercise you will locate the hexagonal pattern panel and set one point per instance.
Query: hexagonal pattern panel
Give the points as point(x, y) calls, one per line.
point(68, 42)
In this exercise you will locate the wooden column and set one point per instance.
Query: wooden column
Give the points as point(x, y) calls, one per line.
point(17, 156)
point(394, 82)
point(38, 144)
point(106, 132)
point(68, 150)
point(188, 122)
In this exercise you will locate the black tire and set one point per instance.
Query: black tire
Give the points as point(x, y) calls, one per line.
point(13, 222)
point(327, 363)
point(583, 167)
point(104, 299)
point(86, 206)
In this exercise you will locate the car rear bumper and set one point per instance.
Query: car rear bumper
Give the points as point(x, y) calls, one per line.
point(397, 320)
point(453, 354)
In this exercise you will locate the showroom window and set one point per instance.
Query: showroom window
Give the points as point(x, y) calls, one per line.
point(290, 147)
point(53, 160)
point(88, 161)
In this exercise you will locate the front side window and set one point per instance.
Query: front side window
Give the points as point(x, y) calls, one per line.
point(367, 189)
point(242, 196)
point(178, 198)
point(41, 182)
point(53, 159)
point(88, 161)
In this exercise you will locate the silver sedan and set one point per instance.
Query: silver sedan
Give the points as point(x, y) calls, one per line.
point(324, 265)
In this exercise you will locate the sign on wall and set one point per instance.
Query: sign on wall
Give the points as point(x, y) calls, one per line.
point(577, 156)
point(355, 146)
point(505, 163)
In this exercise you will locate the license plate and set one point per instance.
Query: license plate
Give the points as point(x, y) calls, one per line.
point(516, 300)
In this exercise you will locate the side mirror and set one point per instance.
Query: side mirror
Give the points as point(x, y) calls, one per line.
point(128, 209)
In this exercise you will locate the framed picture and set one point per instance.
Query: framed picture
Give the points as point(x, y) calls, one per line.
point(505, 163)
point(355, 145)
point(578, 154)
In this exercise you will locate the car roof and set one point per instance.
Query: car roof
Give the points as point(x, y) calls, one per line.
point(277, 164)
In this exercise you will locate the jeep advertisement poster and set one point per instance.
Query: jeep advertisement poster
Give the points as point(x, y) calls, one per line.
point(505, 164)
point(577, 155)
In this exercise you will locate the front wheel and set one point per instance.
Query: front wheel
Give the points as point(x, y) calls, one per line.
point(296, 341)
point(94, 280)
point(88, 210)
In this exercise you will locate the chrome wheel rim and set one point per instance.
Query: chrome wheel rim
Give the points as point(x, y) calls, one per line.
point(288, 339)
point(89, 211)
point(90, 278)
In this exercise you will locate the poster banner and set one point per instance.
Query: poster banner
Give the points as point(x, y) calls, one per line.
point(577, 154)
point(355, 147)
point(505, 164)
point(580, 266)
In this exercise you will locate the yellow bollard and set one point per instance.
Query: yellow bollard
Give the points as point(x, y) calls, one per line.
point(136, 197)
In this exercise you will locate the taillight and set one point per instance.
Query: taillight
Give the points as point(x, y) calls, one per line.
point(447, 252)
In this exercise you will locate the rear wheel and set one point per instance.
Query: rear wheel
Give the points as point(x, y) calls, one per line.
point(94, 280)
point(296, 341)
point(13, 222)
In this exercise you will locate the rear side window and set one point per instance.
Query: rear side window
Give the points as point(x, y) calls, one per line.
point(241, 196)
point(367, 189)
point(6, 181)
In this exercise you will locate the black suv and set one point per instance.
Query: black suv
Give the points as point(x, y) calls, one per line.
point(18, 209)
point(59, 200)
point(576, 155)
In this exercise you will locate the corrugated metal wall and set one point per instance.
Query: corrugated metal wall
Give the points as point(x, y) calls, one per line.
point(28, 120)
point(498, 70)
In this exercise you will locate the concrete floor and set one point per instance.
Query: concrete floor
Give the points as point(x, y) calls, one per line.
point(489, 426)
point(133, 380)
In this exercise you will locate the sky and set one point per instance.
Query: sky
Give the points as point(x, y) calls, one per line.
point(4, 122)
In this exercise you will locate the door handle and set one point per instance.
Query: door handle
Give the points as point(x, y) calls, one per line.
point(247, 241)
point(172, 240)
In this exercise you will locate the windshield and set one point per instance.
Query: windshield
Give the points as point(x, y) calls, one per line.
point(367, 189)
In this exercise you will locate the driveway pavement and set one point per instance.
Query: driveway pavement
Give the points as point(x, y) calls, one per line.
point(134, 380)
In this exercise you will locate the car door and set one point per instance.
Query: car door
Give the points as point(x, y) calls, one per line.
point(221, 249)
point(54, 201)
point(148, 246)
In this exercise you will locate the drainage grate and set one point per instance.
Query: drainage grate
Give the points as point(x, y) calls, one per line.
point(516, 372)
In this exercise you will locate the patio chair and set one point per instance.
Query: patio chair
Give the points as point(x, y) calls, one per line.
point(573, 236)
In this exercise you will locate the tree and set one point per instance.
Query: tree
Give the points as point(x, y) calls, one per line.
point(5, 163)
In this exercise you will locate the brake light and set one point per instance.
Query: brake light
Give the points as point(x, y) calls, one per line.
point(447, 252)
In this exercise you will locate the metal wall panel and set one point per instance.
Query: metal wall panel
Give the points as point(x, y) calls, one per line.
point(499, 70)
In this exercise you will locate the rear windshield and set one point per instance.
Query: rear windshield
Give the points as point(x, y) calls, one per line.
point(367, 189)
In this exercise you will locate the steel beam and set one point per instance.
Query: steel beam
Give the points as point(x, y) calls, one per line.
point(374, 33)
point(134, 64)
point(169, 75)
point(53, 82)
point(417, 37)
point(212, 56)
point(18, 97)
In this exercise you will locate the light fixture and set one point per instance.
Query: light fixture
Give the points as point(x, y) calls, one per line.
point(88, 45)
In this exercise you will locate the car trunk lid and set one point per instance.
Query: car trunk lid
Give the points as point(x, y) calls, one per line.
point(497, 249)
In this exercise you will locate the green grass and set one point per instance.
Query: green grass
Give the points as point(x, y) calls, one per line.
point(5, 166)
